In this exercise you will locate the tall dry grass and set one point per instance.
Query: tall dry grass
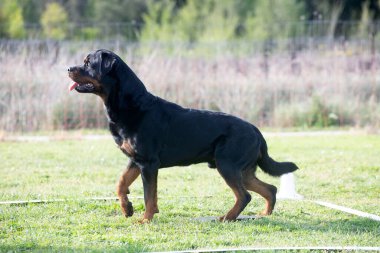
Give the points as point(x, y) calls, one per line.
point(318, 84)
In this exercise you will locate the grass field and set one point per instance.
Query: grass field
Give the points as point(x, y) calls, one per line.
point(344, 170)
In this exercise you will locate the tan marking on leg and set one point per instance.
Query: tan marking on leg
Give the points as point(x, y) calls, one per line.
point(242, 200)
point(126, 179)
point(234, 181)
point(267, 191)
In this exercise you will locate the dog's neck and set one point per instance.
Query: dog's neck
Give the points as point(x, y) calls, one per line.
point(131, 97)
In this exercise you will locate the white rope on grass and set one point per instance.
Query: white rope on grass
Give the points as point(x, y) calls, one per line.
point(287, 191)
point(216, 218)
point(348, 210)
point(42, 201)
point(322, 203)
point(318, 248)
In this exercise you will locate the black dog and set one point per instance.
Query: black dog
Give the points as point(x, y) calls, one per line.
point(155, 133)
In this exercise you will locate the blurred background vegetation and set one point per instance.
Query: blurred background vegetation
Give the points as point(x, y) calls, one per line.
point(276, 63)
point(184, 20)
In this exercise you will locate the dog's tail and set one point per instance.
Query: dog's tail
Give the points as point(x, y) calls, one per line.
point(270, 166)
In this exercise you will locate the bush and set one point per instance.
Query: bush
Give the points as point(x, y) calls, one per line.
point(310, 113)
point(90, 33)
point(11, 17)
point(319, 113)
point(54, 21)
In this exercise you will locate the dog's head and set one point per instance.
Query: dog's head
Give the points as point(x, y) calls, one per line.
point(95, 75)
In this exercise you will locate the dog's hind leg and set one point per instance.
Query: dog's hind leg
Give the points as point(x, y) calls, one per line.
point(233, 179)
point(126, 179)
point(267, 191)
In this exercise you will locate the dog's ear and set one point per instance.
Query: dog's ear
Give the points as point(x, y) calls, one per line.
point(107, 62)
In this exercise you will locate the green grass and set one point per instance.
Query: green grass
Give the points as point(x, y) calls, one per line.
point(341, 169)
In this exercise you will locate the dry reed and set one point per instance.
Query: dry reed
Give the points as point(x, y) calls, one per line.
point(319, 85)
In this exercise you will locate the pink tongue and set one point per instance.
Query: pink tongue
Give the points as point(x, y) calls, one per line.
point(71, 87)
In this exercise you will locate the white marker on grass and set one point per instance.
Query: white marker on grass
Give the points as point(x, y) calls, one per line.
point(288, 188)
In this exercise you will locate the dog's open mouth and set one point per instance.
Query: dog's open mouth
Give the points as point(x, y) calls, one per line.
point(82, 87)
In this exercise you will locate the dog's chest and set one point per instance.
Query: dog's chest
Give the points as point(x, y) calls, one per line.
point(128, 147)
point(126, 141)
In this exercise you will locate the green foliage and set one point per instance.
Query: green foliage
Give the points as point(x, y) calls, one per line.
point(11, 15)
point(157, 22)
point(118, 13)
point(2, 24)
point(217, 21)
point(54, 21)
point(275, 19)
point(115, 11)
point(291, 115)
point(90, 33)
point(365, 20)
point(211, 20)
point(318, 113)
point(32, 10)
point(197, 21)
point(190, 21)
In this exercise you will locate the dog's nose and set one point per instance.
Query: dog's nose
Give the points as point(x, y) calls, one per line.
point(70, 69)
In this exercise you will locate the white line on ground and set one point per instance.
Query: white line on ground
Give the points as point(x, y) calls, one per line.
point(215, 218)
point(318, 248)
point(41, 201)
point(324, 248)
point(322, 203)
point(348, 210)
point(26, 138)
point(68, 136)
point(313, 133)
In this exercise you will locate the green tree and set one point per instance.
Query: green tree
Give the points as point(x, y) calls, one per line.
point(336, 11)
point(365, 21)
point(207, 21)
point(31, 10)
point(54, 21)
point(11, 15)
point(190, 20)
point(80, 11)
point(274, 19)
point(195, 21)
point(119, 10)
point(115, 12)
point(158, 22)
point(220, 22)
point(2, 22)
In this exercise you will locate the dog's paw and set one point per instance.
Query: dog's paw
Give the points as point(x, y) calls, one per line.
point(225, 218)
point(129, 210)
point(144, 221)
point(265, 213)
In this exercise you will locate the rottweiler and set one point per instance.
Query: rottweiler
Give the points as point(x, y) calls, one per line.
point(155, 133)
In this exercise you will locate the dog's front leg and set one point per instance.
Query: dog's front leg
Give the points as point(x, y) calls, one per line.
point(149, 177)
point(126, 179)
